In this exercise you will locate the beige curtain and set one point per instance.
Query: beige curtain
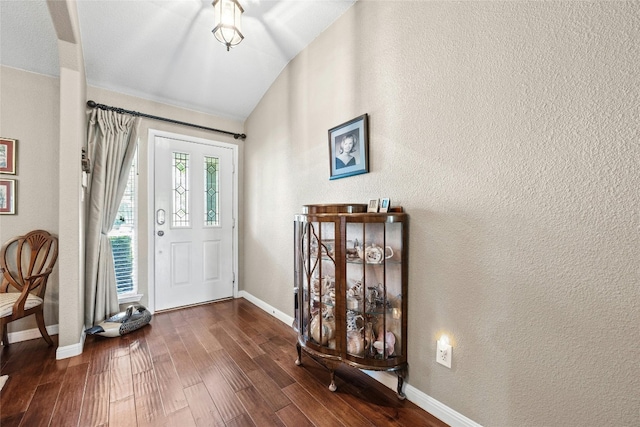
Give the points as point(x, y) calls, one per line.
point(112, 139)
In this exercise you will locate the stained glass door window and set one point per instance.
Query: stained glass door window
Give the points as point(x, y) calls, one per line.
point(180, 214)
point(211, 181)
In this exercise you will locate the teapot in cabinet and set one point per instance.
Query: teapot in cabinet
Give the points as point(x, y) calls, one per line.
point(374, 254)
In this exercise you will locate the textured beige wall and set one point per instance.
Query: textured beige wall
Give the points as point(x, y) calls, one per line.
point(29, 113)
point(509, 132)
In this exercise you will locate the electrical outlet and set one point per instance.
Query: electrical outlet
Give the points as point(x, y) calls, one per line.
point(443, 354)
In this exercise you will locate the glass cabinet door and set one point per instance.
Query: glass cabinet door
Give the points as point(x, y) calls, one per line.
point(298, 226)
point(373, 290)
point(318, 271)
point(393, 291)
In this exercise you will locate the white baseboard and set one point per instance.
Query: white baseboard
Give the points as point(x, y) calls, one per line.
point(61, 352)
point(30, 334)
point(423, 400)
point(73, 349)
point(281, 316)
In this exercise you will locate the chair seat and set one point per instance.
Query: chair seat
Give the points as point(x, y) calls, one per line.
point(9, 299)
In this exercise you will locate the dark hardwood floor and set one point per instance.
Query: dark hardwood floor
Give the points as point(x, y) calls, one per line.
point(221, 364)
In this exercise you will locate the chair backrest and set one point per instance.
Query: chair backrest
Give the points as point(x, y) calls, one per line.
point(28, 260)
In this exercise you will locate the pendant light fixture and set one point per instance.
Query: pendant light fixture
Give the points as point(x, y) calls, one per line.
point(228, 26)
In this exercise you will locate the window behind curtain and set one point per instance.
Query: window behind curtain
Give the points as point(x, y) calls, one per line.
point(123, 236)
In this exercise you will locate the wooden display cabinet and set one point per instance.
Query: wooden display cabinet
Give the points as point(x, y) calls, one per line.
point(351, 288)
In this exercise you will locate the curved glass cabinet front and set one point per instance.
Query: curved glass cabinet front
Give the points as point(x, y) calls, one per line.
point(316, 279)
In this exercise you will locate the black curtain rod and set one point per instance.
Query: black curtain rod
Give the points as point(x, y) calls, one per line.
point(92, 104)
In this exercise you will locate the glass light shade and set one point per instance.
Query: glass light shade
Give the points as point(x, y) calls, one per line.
point(228, 23)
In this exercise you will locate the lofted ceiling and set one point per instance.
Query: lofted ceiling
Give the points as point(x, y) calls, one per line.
point(163, 50)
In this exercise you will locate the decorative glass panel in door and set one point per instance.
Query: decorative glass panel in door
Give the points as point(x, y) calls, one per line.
point(211, 177)
point(180, 214)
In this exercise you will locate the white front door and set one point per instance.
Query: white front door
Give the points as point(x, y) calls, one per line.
point(193, 222)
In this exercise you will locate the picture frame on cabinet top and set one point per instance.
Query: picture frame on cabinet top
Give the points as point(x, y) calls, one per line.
point(384, 204)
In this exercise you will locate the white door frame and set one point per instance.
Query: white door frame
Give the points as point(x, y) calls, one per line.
point(153, 133)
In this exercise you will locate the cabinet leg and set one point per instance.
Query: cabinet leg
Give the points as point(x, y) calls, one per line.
point(401, 374)
point(299, 359)
point(333, 386)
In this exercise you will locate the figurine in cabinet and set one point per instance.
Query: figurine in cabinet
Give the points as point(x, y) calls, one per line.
point(385, 341)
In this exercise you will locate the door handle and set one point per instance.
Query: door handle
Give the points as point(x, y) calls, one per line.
point(160, 216)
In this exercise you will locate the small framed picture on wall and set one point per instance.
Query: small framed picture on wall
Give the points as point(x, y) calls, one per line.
point(7, 196)
point(349, 148)
point(8, 156)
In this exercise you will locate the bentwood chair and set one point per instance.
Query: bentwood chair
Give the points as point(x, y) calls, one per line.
point(25, 265)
